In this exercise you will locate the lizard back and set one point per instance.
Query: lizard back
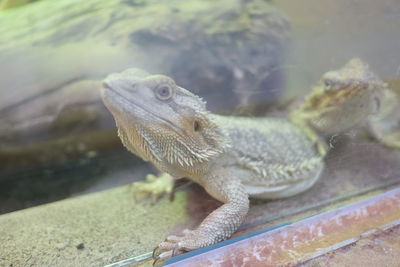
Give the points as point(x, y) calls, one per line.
point(271, 155)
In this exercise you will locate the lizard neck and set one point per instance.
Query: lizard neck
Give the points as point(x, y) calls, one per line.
point(170, 151)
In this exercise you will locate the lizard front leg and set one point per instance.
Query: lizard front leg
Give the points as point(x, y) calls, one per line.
point(386, 132)
point(217, 226)
point(391, 139)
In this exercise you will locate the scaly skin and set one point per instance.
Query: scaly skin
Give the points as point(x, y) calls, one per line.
point(233, 158)
point(385, 126)
point(343, 99)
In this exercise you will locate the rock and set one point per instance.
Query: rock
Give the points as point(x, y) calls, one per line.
point(230, 54)
point(53, 55)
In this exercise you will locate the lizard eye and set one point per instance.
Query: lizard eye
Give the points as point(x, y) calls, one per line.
point(164, 92)
point(377, 103)
point(328, 84)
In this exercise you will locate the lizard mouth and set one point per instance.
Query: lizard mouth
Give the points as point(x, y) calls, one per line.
point(132, 102)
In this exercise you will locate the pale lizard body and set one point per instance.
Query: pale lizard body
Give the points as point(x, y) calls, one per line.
point(233, 158)
point(265, 169)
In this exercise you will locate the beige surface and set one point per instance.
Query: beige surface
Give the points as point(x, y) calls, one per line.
point(108, 224)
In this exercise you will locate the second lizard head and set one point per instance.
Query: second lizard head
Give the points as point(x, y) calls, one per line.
point(342, 99)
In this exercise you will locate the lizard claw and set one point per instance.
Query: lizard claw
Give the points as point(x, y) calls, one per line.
point(167, 249)
point(175, 245)
point(175, 250)
point(154, 187)
point(157, 261)
point(159, 256)
point(156, 252)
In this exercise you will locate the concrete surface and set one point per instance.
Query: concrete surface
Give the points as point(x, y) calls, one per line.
point(92, 230)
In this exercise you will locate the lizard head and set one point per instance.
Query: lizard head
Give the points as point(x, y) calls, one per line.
point(343, 98)
point(160, 121)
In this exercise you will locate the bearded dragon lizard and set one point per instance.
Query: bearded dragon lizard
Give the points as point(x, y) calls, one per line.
point(233, 158)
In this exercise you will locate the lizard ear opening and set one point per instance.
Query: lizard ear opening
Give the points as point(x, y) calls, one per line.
point(201, 141)
point(196, 126)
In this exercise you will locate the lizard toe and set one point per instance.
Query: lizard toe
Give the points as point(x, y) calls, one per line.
point(154, 188)
point(174, 238)
point(162, 257)
point(166, 245)
point(175, 245)
point(187, 232)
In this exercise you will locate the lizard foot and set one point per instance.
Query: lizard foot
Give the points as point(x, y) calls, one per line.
point(392, 140)
point(154, 187)
point(175, 245)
